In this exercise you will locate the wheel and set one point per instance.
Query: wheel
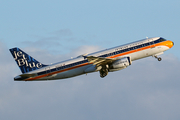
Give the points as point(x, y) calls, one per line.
point(159, 59)
point(101, 76)
point(103, 73)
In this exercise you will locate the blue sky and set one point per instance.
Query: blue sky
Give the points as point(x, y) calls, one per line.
point(56, 30)
point(101, 23)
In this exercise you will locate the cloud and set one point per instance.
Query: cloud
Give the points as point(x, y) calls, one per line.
point(47, 57)
point(55, 41)
point(44, 42)
point(147, 89)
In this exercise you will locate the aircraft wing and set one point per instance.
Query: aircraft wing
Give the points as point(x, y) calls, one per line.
point(99, 60)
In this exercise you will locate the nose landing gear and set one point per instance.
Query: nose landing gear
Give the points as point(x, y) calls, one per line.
point(158, 58)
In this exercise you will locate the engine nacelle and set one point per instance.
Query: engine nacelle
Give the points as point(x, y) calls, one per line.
point(121, 63)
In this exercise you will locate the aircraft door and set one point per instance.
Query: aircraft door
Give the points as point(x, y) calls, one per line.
point(152, 43)
point(48, 71)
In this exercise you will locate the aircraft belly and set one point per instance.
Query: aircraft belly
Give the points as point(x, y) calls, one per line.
point(70, 73)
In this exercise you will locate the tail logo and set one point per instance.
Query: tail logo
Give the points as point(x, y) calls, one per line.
point(23, 60)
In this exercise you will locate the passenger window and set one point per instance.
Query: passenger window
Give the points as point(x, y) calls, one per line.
point(146, 44)
point(117, 52)
point(157, 41)
point(110, 54)
point(139, 46)
point(57, 68)
point(152, 42)
point(129, 49)
point(52, 70)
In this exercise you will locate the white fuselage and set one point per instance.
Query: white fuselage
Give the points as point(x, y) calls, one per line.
point(80, 65)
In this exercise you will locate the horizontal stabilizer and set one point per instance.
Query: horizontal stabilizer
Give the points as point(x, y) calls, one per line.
point(28, 75)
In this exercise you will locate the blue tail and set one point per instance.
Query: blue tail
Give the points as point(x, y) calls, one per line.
point(25, 62)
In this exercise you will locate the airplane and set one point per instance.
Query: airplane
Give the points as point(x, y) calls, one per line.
point(104, 61)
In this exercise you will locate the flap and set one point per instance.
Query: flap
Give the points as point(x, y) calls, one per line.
point(99, 60)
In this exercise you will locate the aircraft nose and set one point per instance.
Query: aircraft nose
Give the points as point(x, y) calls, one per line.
point(170, 44)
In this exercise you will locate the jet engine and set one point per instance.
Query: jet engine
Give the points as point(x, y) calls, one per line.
point(120, 64)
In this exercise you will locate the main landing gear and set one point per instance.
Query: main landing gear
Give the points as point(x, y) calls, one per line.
point(158, 58)
point(104, 71)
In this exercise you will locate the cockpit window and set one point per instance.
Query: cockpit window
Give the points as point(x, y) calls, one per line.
point(162, 39)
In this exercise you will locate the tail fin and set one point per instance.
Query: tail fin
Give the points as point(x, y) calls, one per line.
point(25, 62)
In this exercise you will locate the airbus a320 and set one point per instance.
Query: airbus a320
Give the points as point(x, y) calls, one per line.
point(105, 61)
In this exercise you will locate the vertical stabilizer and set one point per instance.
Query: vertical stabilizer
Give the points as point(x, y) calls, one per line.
point(25, 62)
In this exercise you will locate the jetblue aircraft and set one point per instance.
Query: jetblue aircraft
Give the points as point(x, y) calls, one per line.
point(109, 60)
